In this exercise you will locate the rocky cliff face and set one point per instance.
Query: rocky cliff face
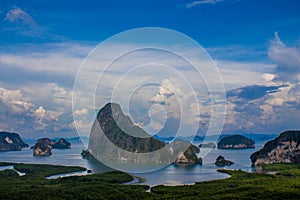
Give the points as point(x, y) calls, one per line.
point(44, 146)
point(115, 137)
point(283, 149)
point(11, 142)
point(221, 161)
point(62, 144)
point(188, 157)
point(236, 142)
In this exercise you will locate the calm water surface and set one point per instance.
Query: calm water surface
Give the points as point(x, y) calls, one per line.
point(170, 175)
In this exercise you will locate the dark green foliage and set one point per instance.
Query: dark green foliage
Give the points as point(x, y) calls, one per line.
point(283, 169)
point(234, 140)
point(107, 177)
point(95, 186)
point(62, 144)
point(221, 161)
point(39, 170)
point(119, 129)
point(8, 173)
point(241, 185)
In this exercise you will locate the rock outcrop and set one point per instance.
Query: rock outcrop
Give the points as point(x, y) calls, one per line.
point(236, 142)
point(207, 145)
point(87, 155)
point(115, 137)
point(11, 142)
point(43, 147)
point(188, 157)
point(283, 149)
point(62, 144)
point(221, 161)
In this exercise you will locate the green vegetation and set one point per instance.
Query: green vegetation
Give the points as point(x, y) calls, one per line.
point(241, 185)
point(8, 173)
point(95, 186)
point(108, 177)
point(236, 142)
point(38, 170)
point(283, 169)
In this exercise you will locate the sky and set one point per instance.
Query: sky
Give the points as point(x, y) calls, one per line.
point(254, 44)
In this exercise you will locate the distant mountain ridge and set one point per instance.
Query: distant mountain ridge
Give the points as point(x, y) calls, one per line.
point(253, 136)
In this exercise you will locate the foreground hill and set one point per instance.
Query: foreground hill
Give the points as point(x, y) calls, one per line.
point(283, 149)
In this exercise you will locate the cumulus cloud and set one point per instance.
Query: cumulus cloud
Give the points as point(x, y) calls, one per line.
point(81, 112)
point(268, 76)
point(287, 59)
point(17, 15)
point(262, 109)
point(13, 100)
point(18, 113)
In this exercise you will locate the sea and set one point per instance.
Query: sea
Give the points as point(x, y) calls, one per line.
point(169, 175)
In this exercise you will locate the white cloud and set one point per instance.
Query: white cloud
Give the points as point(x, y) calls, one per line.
point(81, 112)
point(40, 112)
point(208, 2)
point(61, 61)
point(287, 59)
point(244, 73)
point(19, 113)
point(202, 2)
point(14, 100)
point(268, 77)
point(17, 15)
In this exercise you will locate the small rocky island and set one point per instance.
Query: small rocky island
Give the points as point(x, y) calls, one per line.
point(115, 137)
point(11, 142)
point(236, 142)
point(221, 161)
point(188, 157)
point(44, 146)
point(207, 145)
point(283, 149)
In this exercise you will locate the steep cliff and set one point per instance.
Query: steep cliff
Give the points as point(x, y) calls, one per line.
point(115, 137)
point(283, 149)
point(11, 142)
point(43, 147)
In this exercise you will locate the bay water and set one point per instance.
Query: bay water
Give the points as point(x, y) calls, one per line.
point(170, 175)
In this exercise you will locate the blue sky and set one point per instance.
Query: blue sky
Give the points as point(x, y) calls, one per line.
point(254, 43)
